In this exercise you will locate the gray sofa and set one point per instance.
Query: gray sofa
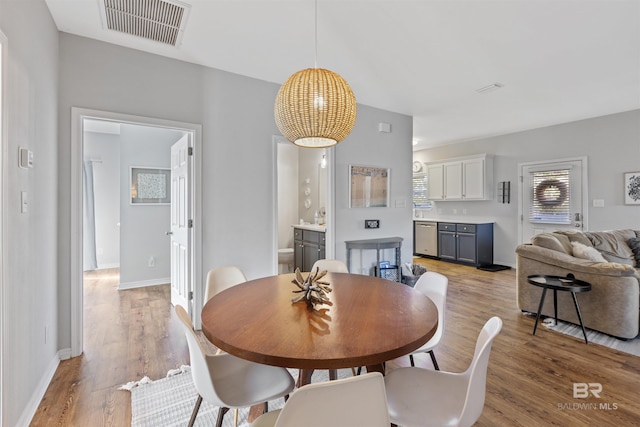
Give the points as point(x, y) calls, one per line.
point(613, 304)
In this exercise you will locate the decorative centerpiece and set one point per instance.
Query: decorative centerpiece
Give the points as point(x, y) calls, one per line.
point(313, 290)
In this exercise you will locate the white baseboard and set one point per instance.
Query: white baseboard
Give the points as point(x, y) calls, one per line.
point(64, 354)
point(143, 283)
point(108, 266)
point(38, 394)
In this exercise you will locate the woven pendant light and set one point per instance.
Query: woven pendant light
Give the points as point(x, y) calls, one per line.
point(315, 107)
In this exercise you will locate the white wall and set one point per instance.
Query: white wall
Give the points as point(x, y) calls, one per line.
point(105, 149)
point(368, 147)
point(610, 143)
point(287, 193)
point(30, 271)
point(143, 227)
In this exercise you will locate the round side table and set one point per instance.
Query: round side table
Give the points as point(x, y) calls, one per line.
point(559, 283)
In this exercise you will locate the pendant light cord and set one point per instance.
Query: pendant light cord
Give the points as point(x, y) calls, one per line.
point(316, 35)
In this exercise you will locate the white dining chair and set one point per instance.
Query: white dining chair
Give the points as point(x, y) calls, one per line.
point(434, 286)
point(227, 381)
point(331, 265)
point(419, 397)
point(348, 402)
point(221, 278)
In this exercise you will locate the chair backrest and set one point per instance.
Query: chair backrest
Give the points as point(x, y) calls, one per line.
point(331, 265)
point(222, 278)
point(199, 366)
point(477, 373)
point(353, 401)
point(434, 286)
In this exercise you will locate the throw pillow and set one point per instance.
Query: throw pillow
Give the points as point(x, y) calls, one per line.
point(586, 252)
point(634, 244)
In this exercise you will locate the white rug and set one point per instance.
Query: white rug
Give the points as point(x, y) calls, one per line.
point(629, 346)
point(169, 401)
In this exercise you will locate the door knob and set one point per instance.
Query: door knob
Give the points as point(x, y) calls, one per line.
point(169, 233)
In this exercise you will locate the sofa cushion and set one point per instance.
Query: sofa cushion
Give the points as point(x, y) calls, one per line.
point(613, 245)
point(575, 236)
point(587, 252)
point(549, 241)
point(634, 244)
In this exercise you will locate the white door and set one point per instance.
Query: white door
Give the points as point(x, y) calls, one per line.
point(552, 197)
point(181, 224)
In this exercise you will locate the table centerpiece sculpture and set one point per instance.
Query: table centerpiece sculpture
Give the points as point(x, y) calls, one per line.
point(313, 289)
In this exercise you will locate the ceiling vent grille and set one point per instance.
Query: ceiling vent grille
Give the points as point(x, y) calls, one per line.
point(157, 20)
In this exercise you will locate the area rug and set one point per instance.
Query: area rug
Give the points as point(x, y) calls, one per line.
point(169, 401)
point(629, 346)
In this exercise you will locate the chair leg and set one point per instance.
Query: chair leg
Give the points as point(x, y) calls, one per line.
point(433, 359)
point(411, 360)
point(333, 374)
point(223, 410)
point(194, 414)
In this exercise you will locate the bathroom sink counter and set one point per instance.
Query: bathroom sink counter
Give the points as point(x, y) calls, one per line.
point(312, 227)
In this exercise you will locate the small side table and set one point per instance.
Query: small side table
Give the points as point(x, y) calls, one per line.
point(377, 245)
point(558, 283)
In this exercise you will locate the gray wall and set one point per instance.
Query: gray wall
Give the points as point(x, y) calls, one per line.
point(236, 114)
point(30, 269)
point(610, 143)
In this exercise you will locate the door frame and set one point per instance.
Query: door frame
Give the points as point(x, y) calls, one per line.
point(77, 155)
point(4, 141)
point(585, 190)
point(330, 206)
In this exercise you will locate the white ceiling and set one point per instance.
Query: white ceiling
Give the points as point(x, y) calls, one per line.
point(559, 60)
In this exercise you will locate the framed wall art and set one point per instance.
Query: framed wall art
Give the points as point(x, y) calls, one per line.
point(369, 187)
point(632, 188)
point(150, 186)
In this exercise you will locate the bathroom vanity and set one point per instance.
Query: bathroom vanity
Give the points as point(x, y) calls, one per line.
point(308, 245)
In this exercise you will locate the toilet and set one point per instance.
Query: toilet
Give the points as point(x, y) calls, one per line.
point(285, 260)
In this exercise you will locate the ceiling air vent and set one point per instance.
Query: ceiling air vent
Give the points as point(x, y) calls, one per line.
point(157, 20)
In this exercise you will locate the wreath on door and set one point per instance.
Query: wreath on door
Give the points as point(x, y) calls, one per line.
point(551, 192)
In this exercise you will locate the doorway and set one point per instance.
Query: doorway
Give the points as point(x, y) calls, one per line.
point(552, 196)
point(303, 182)
point(77, 135)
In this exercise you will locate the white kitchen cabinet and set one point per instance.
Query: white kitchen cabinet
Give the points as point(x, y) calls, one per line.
point(468, 178)
point(435, 181)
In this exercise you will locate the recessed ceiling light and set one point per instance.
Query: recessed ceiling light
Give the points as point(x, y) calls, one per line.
point(490, 88)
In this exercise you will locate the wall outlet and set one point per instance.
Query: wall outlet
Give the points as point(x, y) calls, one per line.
point(152, 261)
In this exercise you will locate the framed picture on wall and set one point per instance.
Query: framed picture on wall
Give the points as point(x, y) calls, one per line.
point(632, 188)
point(150, 186)
point(369, 187)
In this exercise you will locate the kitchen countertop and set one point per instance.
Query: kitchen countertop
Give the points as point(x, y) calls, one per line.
point(458, 220)
point(312, 227)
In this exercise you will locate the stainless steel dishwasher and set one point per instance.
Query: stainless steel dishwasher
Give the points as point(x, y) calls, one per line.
point(425, 238)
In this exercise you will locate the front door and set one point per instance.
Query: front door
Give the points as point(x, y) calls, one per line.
point(181, 224)
point(552, 197)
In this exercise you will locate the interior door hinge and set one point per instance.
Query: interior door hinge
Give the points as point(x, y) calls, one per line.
point(190, 151)
point(190, 223)
point(190, 295)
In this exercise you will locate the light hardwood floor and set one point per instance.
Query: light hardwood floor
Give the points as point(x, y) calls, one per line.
point(129, 334)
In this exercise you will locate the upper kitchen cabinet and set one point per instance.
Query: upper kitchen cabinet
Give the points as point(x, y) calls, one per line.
point(469, 178)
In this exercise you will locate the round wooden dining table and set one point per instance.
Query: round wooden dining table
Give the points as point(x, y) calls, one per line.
point(367, 322)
